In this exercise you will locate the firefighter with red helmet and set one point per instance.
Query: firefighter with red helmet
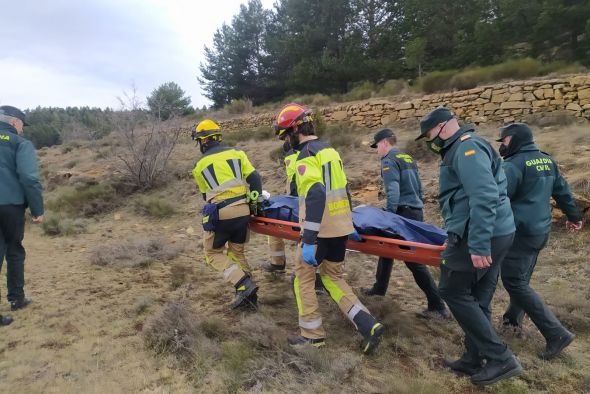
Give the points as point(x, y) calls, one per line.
point(326, 224)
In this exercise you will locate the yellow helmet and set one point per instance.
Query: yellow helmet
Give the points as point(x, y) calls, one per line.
point(207, 128)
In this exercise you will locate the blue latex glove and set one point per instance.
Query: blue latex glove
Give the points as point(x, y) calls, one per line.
point(355, 236)
point(308, 254)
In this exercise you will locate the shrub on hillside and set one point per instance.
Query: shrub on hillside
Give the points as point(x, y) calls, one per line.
point(262, 133)
point(55, 225)
point(239, 106)
point(137, 253)
point(392, 87)
point(85, 200)
point(145, 145)
point(362, 91)
point(436, 81)
point(474, 76)
point(154, 207)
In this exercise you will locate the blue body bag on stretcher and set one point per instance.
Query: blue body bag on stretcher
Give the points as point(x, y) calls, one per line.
point(366, 220)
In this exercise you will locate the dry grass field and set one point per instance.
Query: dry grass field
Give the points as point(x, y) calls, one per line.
point(123, 302)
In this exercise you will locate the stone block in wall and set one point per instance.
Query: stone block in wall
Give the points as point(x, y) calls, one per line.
point(546, 86)
point(528, 88)
point(528, 96)
point(499, 91)
point(570, 96)
point(559, 103)
point(539, 93)
point(515, 105)
point(548, 93)
point(356, 118)
point(389, 119)
point(557, 94)
point(416, 103)
point(406, 113)
point(584, 94)
point(579, 80)
point(509, 119)
point(586, 106)
point(584, 102)
point(339, 115)
point(498, 98)
point(540, 103)
point(479, 101)
point(516, 96)
point(403, 106)
point(573, 107)
point(559, 86)
point(486, 94)
point(475, 90)
point(515, 89)
point(490, 107)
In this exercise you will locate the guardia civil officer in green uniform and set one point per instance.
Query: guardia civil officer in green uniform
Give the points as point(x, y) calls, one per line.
point(533, 178)
point(326, 222)
point(19, 187)
point(480, 226)
point(226, 178)
point(403, 190)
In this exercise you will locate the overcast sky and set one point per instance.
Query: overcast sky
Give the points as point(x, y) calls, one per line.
point(75, 53)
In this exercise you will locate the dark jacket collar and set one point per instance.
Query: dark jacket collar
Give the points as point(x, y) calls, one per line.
point(7, 127)
point(455, 137)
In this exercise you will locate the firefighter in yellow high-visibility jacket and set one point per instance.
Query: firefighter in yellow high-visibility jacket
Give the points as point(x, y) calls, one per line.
point(326, 223)
point(223, 175)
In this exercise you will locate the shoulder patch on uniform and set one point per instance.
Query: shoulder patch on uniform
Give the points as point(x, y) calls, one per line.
point(470, 152)
point(465, 137)
point(386, 168)
point(301, 169)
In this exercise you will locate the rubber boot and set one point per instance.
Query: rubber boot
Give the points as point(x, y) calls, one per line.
point(245, 293)
point(370, 329)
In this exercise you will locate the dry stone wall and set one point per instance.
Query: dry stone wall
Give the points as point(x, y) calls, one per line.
point(507, 102)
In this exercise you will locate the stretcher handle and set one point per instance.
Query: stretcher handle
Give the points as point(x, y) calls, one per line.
point(367, 237)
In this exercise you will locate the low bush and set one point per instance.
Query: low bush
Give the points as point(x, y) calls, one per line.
point(137, 253)
point(154, 207)
point(362, 91)
point(85, 200)
point(239, 106)
point(55, 225)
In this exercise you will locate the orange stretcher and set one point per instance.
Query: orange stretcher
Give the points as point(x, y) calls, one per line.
point(378, 246)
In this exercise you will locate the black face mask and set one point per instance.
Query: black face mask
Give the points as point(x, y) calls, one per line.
point(293, 140)
point(503, 149)
point(287, 147)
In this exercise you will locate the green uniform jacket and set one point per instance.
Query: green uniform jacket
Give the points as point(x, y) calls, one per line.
point(533, 178)
point(401, 181)
point(472, 191)
point(19, 173)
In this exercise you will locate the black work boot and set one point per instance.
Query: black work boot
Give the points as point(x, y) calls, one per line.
point(494, 371)
point(245, 293)
point(272, 268)
point(370, 329)
point(435, 314)
point(299, 340)
point(20, 304)
point(372, 291)
point(5, 320)
point(466, 365)
point(556, 345)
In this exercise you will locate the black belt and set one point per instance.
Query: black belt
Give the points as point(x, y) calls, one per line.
point(229, 201)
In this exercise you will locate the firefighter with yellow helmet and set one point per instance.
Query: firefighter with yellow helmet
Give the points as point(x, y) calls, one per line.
point(228, 181)
point(326, 223)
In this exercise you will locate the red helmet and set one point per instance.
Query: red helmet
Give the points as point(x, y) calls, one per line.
point(290, 116)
